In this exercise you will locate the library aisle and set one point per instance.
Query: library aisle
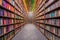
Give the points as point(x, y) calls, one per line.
point(29, 32)
point(14, 14)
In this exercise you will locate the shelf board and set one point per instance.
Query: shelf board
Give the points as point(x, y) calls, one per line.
point(49, 25)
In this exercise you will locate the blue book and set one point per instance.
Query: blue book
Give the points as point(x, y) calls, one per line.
point(1, 31)
point(7, 29)
point(7, 21)
point(1, 12)
point(52, 14)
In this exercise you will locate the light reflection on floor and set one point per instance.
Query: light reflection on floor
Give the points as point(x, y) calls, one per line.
point(29, 32)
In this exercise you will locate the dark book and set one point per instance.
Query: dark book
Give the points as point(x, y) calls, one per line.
point(1, 21)
point(1, 12)
point(1, 31)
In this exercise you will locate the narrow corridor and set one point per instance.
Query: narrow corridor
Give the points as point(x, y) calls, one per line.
point(29, 32)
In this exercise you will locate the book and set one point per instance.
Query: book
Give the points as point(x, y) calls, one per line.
point(1, 31)
point(4, 21)
point(5, 13)
point(7, 29)
point(58, 13)
point(1, 12)
point(7, 21)
point(57, 22)
point(12, 2)
point(4, 30)
point(1, 38)
point(0, 2)
point(50, 36)
point(1, 21)
point(8, 14)
point(4, 4)
point(52, 14)
point(58, 32)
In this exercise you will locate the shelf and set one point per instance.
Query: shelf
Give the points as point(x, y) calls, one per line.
point(9, 24)
point(49, 18)
point(49, 25)
point(49, 31)
point(48, 5)
point(9, 11)
point(6, 33)
point(12, 5)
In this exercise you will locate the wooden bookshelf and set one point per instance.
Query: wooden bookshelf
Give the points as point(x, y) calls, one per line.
point(47, 18)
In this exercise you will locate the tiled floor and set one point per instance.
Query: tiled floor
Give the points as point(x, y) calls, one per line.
point(29, 32)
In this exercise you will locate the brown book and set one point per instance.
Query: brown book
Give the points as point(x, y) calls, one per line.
point(58, 12)
point(58, 32)
point(4, 30)
point(0, 2)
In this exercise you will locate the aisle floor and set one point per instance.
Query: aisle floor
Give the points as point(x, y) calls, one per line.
point(29, 32)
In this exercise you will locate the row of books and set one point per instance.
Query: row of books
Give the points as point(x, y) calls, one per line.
point(53, 14)
point(6, 37)
point(51, 29)
point(49, 19)
point(4, 13)
point(55, 5)
point(6, 29)
point(53, 22)
point(51, 36)
point(6, 21)
point(50, 8)
point(41, 5)
point(46, 4)
point(9, 21)
point(9, 7)
point(50, 32)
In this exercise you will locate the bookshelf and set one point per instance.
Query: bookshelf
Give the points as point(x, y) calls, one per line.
point(11, 19)
point(48, 19)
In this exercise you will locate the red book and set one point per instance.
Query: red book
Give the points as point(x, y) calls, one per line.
point(5, 13)
point(11, 15)
point(10, 21)
point(7, 6)
point(8, 14)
